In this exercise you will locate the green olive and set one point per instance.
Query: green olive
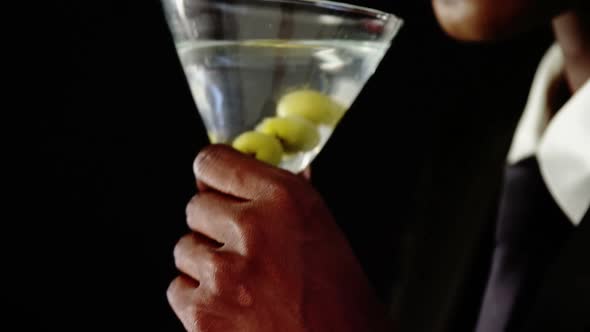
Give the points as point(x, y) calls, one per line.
point(264, 147)
point(295, 133)
point(311, 105)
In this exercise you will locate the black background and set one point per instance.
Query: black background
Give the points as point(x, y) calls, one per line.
point(118, 131)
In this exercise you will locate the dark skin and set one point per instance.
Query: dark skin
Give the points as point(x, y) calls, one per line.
point(481, 20)
point(265, 253)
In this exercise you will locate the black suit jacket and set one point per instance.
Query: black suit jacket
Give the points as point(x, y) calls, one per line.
point(449, 269)
point(564, 298)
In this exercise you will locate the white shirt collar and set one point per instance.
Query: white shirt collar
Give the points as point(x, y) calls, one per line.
point(562, 145)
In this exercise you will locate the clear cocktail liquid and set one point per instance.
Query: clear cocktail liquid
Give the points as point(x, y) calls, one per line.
point(237, 85)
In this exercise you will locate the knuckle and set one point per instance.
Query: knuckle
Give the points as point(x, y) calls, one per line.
point(248, 229)
point(174, 290)
point(192, 314)
point(171, 291)
point(220, 273)
point(201, 160)
point(180, 250)
point(190, 208)
point(207, 158)
point(244, 296)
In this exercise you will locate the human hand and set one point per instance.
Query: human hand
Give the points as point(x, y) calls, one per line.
point(266, 255)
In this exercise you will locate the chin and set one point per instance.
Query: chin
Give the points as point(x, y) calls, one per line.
point(485, 20)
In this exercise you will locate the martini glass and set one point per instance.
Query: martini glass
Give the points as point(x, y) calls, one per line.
point(273, 78)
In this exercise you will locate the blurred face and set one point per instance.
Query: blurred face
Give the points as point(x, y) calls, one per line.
point(478, 20)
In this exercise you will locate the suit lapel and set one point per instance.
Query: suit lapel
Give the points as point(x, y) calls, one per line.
point(563, 302)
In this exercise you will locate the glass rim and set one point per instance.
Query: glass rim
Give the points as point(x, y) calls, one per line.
point(344, 7)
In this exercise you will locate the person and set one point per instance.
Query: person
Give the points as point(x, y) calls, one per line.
point(266, 254)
